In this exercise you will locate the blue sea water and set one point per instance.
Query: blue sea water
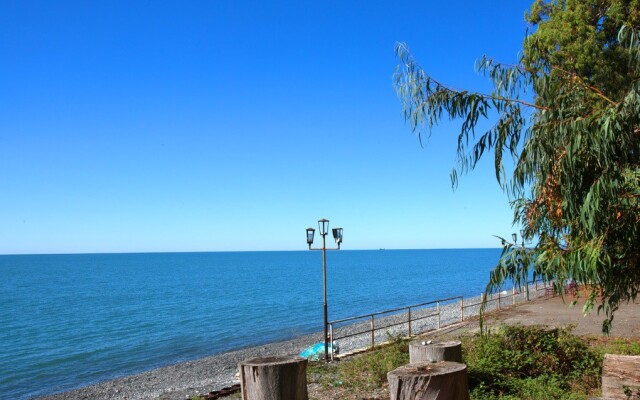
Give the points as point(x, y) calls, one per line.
point(67, 321)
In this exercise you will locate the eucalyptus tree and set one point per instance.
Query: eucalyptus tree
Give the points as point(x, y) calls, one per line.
point(568, 114)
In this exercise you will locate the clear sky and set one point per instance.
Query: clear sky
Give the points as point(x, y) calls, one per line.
point(135, 126)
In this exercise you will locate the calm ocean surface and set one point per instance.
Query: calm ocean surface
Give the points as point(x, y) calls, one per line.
point(67, 321)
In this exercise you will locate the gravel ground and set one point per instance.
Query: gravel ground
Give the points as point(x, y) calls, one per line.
point(183, 380)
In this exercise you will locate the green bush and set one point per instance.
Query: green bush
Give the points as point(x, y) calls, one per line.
point(531, 363)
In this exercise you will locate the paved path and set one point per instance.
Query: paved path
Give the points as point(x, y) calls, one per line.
point(556, 312)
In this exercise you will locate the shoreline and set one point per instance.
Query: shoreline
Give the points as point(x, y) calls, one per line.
point(184, 379)
point(201, 376)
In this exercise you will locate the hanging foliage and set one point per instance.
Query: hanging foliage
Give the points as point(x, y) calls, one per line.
point(568, 114)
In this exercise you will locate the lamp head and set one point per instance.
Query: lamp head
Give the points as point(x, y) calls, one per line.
point(337, 235)
point(310, 233)
point(323, 226)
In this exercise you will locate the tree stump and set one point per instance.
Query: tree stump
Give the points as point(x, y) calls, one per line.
point(445, 380)
point(620, 377)
point(420, 351)
point(274, 378)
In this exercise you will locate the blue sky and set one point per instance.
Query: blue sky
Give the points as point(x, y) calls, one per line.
point(234, 125)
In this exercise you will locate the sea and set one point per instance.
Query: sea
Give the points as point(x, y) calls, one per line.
point(68, 321)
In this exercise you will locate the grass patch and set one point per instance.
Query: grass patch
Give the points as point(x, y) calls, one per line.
point(364, 372)
point(322, 373)
point(621, 346)
point(370, 370)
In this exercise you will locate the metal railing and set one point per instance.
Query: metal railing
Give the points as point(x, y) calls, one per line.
point(410, 315)
point(548, 289)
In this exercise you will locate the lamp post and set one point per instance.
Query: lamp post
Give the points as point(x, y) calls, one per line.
point(323, 228)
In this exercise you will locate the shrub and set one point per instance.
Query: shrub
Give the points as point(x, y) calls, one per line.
point(531, 363)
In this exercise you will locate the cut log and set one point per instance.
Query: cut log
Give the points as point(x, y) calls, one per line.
point(445, 380)
point(274, 378)
point(420, 351)
point(620, 377)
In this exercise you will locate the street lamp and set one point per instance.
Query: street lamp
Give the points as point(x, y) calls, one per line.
point(514, 236)
point(323, 229)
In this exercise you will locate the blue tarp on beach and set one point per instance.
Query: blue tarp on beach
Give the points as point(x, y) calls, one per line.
point(316, 352)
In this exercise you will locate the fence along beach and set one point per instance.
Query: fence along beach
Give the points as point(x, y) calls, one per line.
point(76, 320)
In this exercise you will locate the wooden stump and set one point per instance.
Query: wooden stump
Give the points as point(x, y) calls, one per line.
point(445, 380)
point(620, 377)
point(274, 378)
point(420, 351)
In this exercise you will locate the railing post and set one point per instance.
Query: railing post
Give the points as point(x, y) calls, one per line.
point(438, 305)
point(331, 339)
point(461, 308)
point(373, 332)
point(513, 296)
point(409, 321)
point(499, 295)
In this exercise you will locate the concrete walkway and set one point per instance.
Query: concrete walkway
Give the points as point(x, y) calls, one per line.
point(554, 312)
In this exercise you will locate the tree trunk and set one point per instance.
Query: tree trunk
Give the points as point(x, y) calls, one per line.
point(274, 378)
point(621, 377)
point(445, 380)
point(420, 351)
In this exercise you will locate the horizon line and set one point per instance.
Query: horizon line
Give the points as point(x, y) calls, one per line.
point(237, 251)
